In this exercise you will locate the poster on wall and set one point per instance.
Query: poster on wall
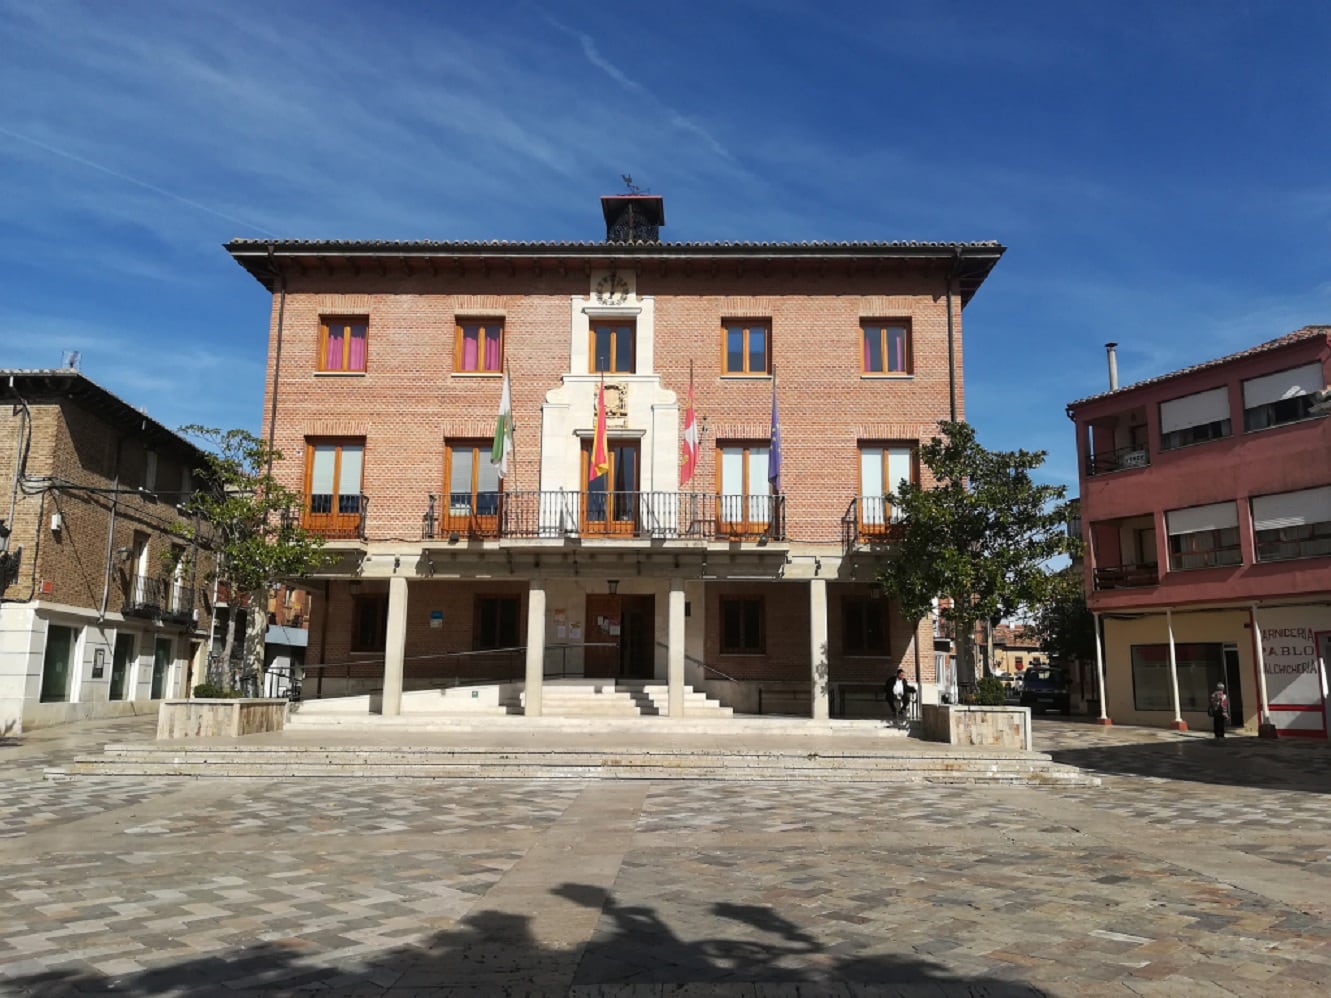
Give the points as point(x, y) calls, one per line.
point(1295, 668)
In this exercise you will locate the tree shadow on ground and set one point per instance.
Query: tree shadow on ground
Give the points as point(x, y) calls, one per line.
point(1240, 762)
point(632, 952)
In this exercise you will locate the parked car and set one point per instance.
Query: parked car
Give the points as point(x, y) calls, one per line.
point(1045, 688)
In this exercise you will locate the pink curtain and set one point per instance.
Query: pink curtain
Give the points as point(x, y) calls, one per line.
point(333, 356)
point(470, 336)
point(897, 346)
point(356, 355)
point(869, 336)
point(492, 351)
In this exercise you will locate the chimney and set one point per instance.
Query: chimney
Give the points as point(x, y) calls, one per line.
point(1111, 350)
point(633, 218)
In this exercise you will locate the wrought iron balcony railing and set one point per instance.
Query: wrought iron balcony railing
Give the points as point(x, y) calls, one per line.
point(1117, 460)
point(655, 515)
point(335, 517)
point(869, 520)
point(155, 597)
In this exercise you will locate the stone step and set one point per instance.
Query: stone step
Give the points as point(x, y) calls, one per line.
point(405, 762)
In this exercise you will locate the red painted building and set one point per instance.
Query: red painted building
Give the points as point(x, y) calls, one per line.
point(1206, 514)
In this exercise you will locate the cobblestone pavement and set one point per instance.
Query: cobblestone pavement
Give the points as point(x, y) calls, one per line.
point(1197, 868)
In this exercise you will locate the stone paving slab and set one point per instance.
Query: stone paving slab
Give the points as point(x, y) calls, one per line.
point(1195, 869)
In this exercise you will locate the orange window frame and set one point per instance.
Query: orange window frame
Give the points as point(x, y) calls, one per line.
point(489, 329)
point(616, 327)
point(345, 321)
point(747, 327)
point(882, 326)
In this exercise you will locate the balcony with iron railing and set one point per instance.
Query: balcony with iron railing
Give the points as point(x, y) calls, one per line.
point(159, 599)
point(652, 515)
point(335, 517)
point(869, 521)
point(1126, 576)
point(1120, 459)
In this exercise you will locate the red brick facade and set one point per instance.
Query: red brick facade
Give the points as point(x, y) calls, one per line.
point(409, 404)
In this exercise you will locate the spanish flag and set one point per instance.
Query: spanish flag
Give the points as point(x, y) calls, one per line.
point(600, 462)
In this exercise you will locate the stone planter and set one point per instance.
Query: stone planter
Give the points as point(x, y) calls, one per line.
point(994, 727)
point(220, 718)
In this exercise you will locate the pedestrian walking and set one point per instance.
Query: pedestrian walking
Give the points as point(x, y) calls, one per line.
point(1219, 710)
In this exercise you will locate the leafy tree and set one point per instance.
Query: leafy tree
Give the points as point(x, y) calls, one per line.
point(979, 537)
point(1066, 627)
point(245, 515)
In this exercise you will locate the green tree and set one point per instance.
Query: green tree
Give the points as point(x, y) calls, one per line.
point(246, 517)
point(979, 537)
point(1066, 627)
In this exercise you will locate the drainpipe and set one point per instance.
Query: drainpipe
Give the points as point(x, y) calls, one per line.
point(1111, 354)
point(952, 339)
point(21, 445)
point(277, 357)
point(111, 534)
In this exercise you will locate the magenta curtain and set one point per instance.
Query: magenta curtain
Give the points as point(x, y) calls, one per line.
point(470, 339)
point(356, 353)
point(333, 357)
point(492, 352)
point(897, 349)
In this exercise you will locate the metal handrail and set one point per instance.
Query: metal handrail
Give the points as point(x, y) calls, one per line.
point(576, 514)
point(1118, 460)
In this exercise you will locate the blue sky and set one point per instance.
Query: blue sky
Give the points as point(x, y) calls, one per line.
point(1156, 170)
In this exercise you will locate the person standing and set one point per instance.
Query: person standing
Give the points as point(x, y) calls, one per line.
point(1219, 710)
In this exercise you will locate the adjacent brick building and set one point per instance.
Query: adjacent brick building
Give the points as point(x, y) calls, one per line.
point(1206, 512)
point(103, 608)
point(386, 368)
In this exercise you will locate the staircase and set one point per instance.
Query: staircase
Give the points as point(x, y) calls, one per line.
point(602, 756)
point(571, 698)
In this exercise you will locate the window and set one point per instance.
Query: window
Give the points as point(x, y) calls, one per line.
point(613, 346)
point(474, 491)
point(1199, 666)
point(746, 347)
point(342, 344)
point(883, 469)
point(610, 504)
point(1283, 397)
point(886, 347)
point(333, 487)
point(741, 625)
point(150, 471)
point(863, 625)
point(1194, 418)
point(369, 622)
point(496, 622)
point(1203, 537)
point(480, 346)
point(744, 500)
point(1292, 524)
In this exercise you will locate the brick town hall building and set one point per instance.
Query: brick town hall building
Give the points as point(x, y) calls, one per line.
point(752, 579)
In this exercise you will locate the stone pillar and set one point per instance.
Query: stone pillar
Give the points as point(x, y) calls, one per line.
point(1100, 674)
point(818, 647)
point(675, 648)
point(1265, 726)
point(395, 644)
point(1178, 724)
point(535, 648)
